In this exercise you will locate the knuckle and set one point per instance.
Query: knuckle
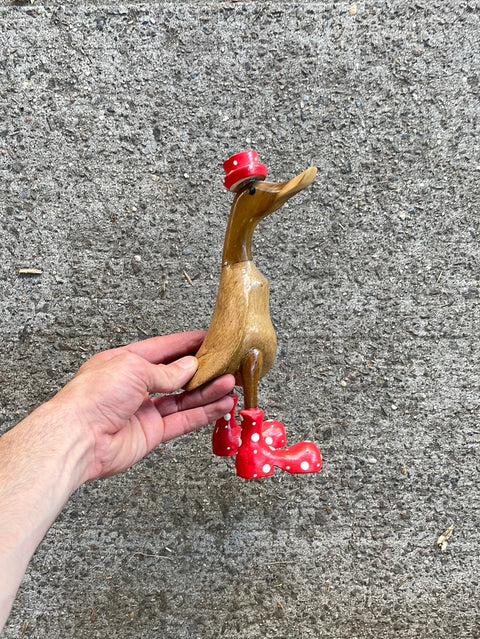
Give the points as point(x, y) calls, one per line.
point(167, 377)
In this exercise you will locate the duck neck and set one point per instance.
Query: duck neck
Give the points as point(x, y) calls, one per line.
point(237, 246)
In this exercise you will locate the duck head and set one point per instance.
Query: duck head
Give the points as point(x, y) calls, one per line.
point(255, 200)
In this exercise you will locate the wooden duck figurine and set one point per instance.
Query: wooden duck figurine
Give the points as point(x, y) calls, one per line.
point(241, 339)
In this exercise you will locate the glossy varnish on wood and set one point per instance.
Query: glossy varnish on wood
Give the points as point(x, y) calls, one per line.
point(241, 339)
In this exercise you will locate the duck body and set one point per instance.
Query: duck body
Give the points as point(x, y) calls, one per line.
point(241, 339)
point(240, 324)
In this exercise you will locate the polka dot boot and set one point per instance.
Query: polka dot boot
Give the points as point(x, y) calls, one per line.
point(256, 459)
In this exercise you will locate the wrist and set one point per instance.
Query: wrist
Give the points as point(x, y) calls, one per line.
point(48, 443)
point(65, 440)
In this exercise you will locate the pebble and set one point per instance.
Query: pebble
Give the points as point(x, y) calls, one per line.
point(136, 264)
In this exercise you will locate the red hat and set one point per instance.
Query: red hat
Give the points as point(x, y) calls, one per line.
point(241, 168)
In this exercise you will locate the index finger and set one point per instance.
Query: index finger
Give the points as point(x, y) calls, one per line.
point(166, 348)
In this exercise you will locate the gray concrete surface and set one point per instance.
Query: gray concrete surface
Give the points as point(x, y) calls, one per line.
point(114, 122)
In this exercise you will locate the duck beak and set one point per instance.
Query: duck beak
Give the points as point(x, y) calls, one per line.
point(286, 190)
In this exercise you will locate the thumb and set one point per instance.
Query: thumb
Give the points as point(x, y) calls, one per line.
point(167, 378)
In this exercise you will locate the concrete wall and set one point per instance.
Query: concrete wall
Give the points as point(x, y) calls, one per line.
point(114, 122)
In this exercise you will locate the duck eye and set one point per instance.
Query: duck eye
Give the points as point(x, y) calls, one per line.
point(252, 190)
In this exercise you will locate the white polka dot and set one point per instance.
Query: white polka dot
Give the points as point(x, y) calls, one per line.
point(254, 423)
point(304, 465)
point(255, 437)
point(287, 468)
point(255, 475)
point(235, 162)
point(266, 468)
point(268, 441)
point(255, 451)
point(227, 417)
point(228, 447)
point(318, 465)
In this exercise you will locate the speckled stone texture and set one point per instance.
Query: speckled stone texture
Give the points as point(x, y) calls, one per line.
point(114, 122)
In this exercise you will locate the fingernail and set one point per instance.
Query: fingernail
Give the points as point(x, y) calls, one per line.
point(188, 363)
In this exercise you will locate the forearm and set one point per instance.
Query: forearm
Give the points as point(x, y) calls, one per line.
point(41, 465)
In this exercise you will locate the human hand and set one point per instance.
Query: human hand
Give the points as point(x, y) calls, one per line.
point(103, 421)
point(110, 397)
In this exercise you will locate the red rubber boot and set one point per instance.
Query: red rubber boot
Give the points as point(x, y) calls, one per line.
point(256, 459)
point(227, 433)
